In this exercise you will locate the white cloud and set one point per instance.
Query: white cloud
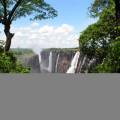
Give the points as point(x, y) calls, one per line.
point(37, 37)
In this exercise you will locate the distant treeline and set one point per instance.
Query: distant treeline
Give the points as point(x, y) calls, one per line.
point(22, 51)
point(65, 50)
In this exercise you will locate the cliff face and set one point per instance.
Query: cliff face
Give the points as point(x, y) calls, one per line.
point(86, 65)
point(32, 62)
point(60, 61)
point(64, 62)
point(28, 58)
point(57, 61)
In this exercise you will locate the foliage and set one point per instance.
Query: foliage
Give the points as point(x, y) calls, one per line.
point(9, 64)
point(21, 69)
point(22, 51)
point(1, 45)
point(111, 63)
point(99, 6)
point(11, 10)
point(14, 9)
point(101, 39)
point(65, 50)
point(95, 39)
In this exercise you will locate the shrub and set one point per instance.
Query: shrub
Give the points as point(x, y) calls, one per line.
point(112, 62)
point(8, 62)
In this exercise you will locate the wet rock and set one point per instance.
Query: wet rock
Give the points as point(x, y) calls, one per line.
point(32, 62)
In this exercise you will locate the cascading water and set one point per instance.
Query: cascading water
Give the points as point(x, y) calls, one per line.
point(39, 54)
point(44, 68)
point(37, 59)
point(85, 57)
point(57, 62)
point(74, 63)
point(91, 62)
point(50, 63)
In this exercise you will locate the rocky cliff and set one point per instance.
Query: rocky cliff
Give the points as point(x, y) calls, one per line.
point(61, 61)
point(32, 62)
point(28, 58)
point(56, 61)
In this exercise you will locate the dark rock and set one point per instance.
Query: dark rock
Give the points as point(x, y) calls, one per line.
point(32, 62)
point(60, 61)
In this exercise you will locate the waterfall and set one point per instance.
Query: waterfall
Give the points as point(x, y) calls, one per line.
point(44, 68)
point(84, 59)
point(74, 63)
point(50, 63)
point(57, 62)
point(91, 62)
point(39, 54)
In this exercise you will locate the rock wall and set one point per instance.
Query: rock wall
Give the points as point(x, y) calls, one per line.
point(64, 62)
point(60, 60)
point(32, 62)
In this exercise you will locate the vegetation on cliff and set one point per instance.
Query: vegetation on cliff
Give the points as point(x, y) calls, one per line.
point(11, 10)
point(101, 39)
point(65, 50)
point(22, 51)
point(9, 63)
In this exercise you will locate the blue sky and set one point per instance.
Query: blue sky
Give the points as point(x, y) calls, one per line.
point(72, 12)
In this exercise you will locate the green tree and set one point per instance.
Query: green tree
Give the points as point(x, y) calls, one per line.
point(8, 62)
point(11, 10)
point(98, 7)
point(95, 39)
point(101, 38)
point(111, 62)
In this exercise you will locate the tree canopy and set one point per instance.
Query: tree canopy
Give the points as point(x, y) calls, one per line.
point(101, 38)
point(11, 10)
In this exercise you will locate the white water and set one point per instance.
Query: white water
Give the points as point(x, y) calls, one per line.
point(91, 62)
point(57, 62)
point(43, 67)
point(38, 52)
point(83, 62)
point(39, 55)
point(40, 62)
point(50, 63)
point(74, 63)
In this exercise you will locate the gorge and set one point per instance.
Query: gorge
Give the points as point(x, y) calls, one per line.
point(58, 61)
point(66, 61)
